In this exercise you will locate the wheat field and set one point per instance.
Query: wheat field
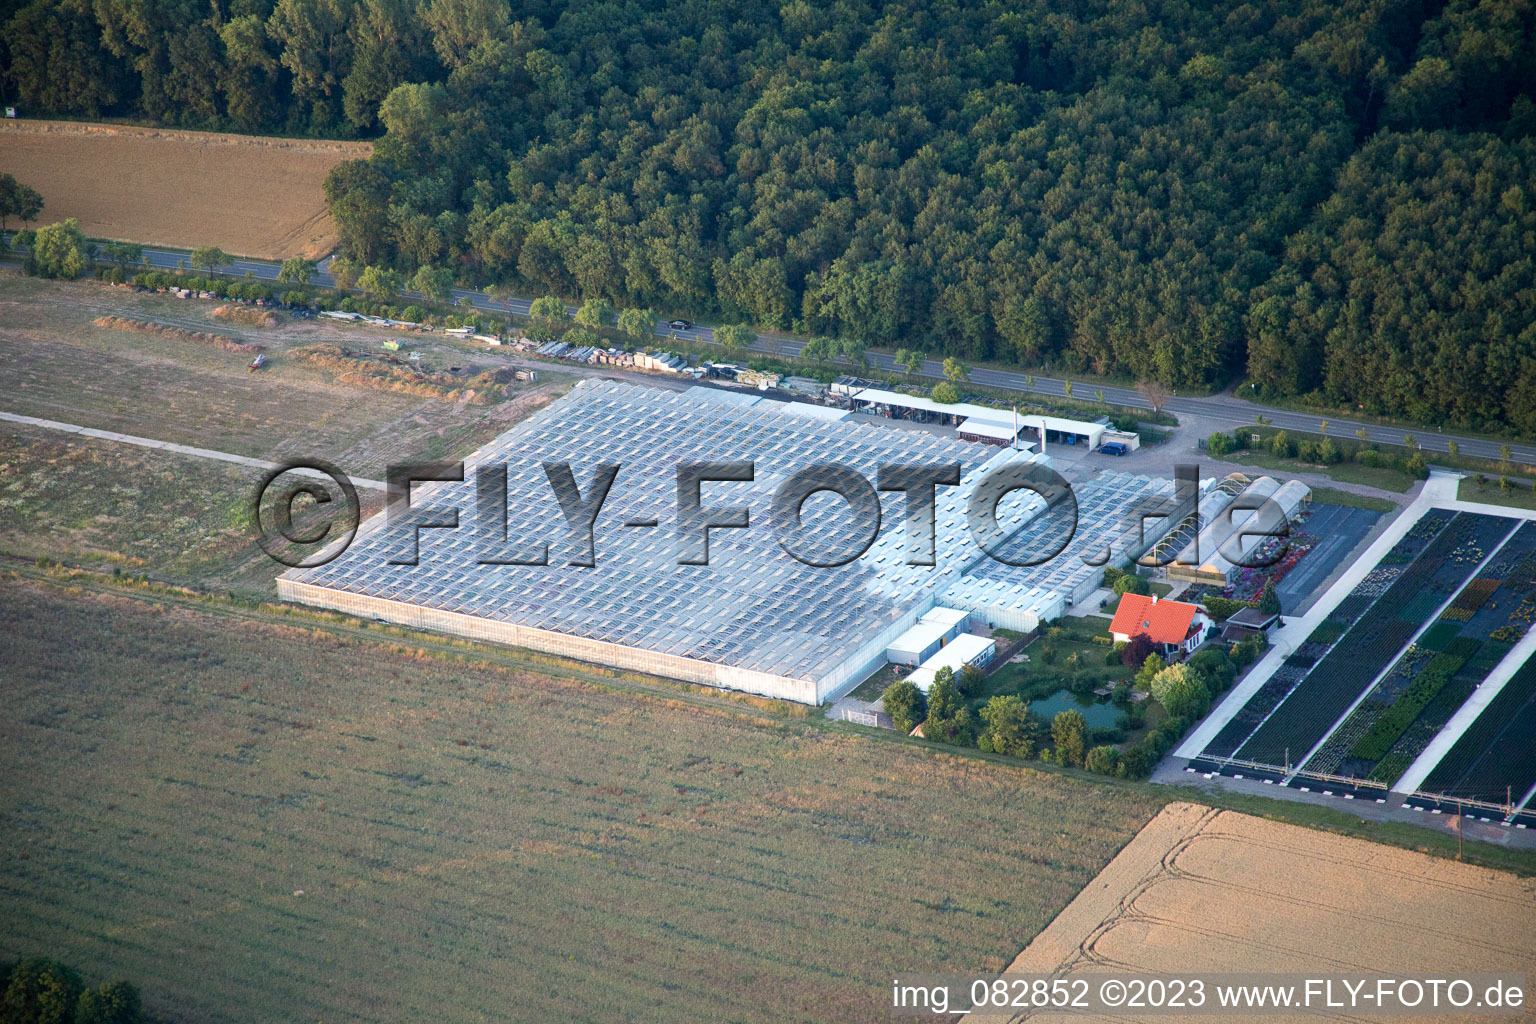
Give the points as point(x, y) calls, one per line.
point(248, 195)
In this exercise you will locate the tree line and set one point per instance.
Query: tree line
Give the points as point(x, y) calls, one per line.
point(1332, 198)
point(43, 991)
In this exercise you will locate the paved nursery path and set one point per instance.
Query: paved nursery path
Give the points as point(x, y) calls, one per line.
point(1439, 492)
point(179, 449)
point(1440, 489)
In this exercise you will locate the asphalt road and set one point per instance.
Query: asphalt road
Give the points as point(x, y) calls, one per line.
point(1225, 408)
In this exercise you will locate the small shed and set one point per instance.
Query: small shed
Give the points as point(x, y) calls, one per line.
point(1253, 619)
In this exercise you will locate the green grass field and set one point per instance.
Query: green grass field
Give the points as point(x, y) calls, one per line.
point(1519, 494)
point(1045, 672)
point(271, 822)
point(1349, 499)
point(1381, 477)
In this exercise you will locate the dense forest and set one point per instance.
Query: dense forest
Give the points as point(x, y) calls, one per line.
point(1332, 196)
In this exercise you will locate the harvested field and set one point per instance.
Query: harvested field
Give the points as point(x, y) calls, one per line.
point(219, 341)
point(1204, 891)
point(248, 195)
point(57, 363)
point(265, 821)
point(94, 503)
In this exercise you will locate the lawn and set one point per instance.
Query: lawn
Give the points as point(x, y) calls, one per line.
point(1349, 499)
point(1046, 672)
point(1517, 496)
point(290, 821)
point(1382, 477)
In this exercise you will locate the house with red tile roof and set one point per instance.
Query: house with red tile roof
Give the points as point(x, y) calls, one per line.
point(1175, 628)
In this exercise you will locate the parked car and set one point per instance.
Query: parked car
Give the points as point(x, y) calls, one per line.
point(1113, 448)
point(681, 325)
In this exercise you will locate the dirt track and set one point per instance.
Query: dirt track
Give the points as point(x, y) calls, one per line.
point(1205, 891)
point(249, 196)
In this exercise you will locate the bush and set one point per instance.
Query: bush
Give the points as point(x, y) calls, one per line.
point(1010, 729)
point(1220, 444)
point(1131, 584)
point(58, 250)
point(1103, 760)
point(949, 720)
point(1223, 607)
point(1149, 669)
point(1069, 735)
point(43, 991)
point(1214, 667)
point(1269, 599)
point(969, 681)
point(1134, 763)
point(550, 309)
point(1246, 652)
point(945, 393)
point(595, 313)
point(1135, 653)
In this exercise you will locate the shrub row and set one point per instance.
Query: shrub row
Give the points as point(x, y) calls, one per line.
point(1324, 451)
point(1383, 733)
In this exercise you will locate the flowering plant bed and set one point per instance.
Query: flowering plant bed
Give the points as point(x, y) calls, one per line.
point(1376, 638)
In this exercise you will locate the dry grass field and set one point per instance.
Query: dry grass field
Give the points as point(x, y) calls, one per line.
point(57, 363)
point(179, 518)
point(1208, 891)
point(248, 195)
point(272, 822)
point(113, 507)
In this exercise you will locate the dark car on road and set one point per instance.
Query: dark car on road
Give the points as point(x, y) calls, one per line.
point(1112, 448)
point(680, 325)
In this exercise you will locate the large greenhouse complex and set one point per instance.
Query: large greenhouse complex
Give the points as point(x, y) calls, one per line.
point(753, 618)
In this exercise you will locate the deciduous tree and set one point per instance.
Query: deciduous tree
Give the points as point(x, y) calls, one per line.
point(1069, 737)
point(58, 250)
point(905, 703)
point(1181, 691)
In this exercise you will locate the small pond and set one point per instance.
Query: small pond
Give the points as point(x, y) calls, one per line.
point(1098, 716)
